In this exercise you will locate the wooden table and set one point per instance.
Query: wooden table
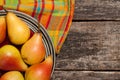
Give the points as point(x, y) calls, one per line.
point(92, 48)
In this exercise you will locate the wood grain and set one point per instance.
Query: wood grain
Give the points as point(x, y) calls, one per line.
point(85, 75)
point(91, 46)
point(97, 10)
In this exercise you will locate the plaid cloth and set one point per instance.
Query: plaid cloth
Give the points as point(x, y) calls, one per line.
point(54, 15)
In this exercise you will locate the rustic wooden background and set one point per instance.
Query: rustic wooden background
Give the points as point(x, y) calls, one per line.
point(92, 48)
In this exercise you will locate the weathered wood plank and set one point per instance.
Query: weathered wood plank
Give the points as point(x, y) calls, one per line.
point(97, 10)
point(85, 75)
point(91, 46)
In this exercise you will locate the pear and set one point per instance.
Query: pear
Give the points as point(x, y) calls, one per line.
point(12, 75)
point(33, 51)
point(18, 30)
point(40, 71)
point(10, 59)
point(2, 29)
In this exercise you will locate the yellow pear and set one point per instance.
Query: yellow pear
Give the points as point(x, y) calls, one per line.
point(40, 71)
point(33, 51)
point(10, 59)
point(18, 30)
point(12, 75)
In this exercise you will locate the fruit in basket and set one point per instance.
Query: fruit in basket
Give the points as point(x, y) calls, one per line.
point(12, 75)
point(2, 29)
point(10, 59)
point(33, 51)
point(18, 30)
point(40, 71)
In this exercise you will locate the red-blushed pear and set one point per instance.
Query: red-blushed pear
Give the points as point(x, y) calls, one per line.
point(40, 71)
point(10, 59)
point(18, 30)
point(2, 29)
point(33, 51)
point(12, 75)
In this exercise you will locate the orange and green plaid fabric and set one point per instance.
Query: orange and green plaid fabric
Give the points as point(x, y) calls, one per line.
point(54, 15)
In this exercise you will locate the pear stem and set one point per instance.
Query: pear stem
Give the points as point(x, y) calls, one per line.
point(5, 9)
